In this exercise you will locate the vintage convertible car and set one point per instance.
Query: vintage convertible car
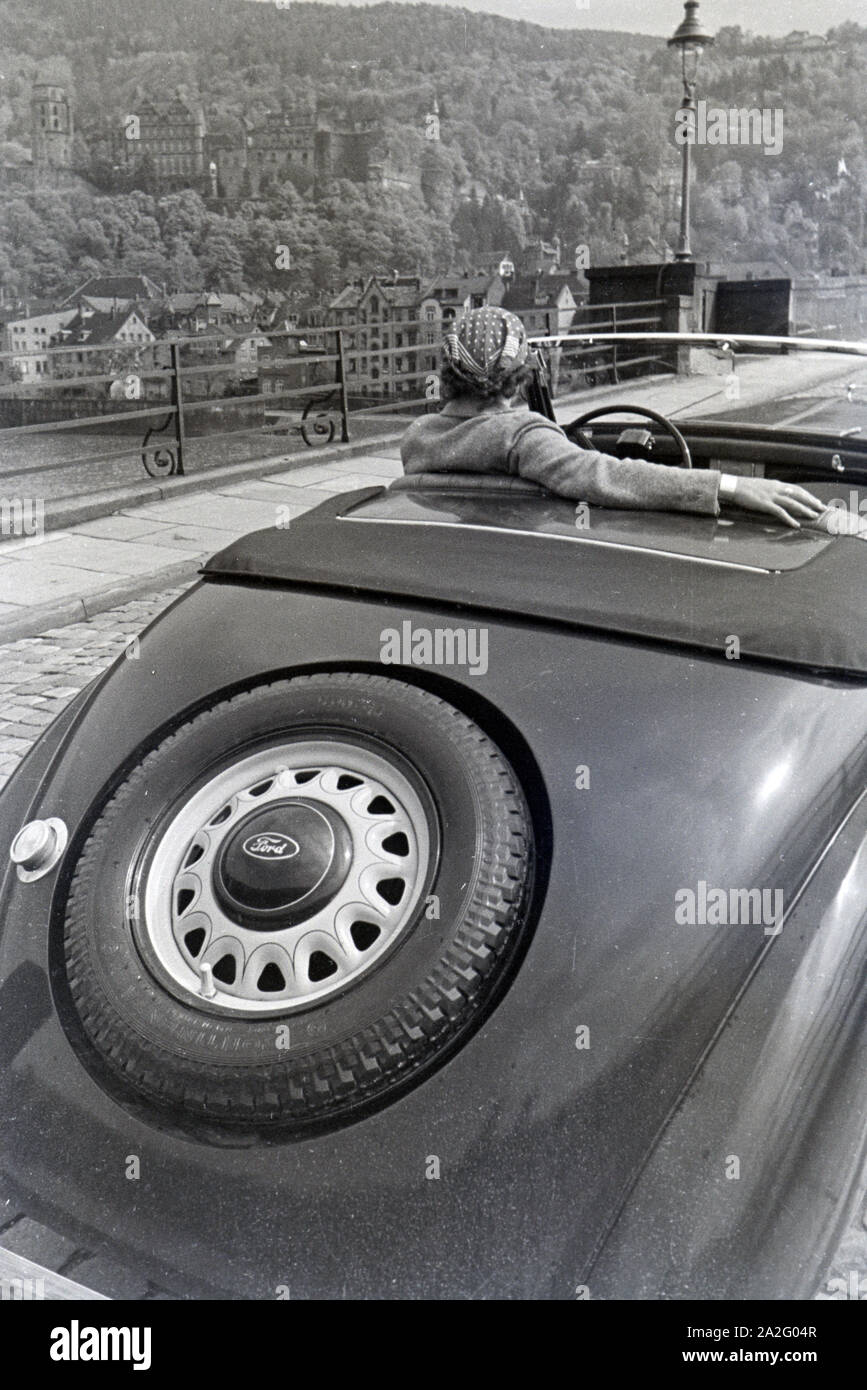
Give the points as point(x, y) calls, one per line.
point(462, 894)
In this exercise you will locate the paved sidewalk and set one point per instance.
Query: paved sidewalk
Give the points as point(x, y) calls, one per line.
point(69, 575)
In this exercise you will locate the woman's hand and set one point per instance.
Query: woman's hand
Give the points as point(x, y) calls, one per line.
point(785, 501)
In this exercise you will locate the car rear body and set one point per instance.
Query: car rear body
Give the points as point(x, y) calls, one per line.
point(583, 1136)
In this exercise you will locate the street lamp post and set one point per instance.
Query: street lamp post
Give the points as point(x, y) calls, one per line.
point(690, 38)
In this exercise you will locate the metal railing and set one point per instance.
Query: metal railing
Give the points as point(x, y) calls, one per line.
point(182, 390)
point(590, 352)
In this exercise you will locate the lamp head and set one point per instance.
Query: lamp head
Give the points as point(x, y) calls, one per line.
point(690, 37)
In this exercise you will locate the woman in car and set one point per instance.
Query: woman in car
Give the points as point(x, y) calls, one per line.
point(480, 429)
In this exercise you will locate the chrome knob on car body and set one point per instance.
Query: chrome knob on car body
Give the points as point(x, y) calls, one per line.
point(38, 847)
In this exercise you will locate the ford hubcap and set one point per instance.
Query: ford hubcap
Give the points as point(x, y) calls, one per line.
point(283, 878)
point(282, 864)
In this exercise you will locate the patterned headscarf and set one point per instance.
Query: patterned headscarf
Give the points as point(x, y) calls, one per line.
point(486, 346)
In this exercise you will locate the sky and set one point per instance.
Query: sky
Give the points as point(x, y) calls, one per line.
point(663, 16)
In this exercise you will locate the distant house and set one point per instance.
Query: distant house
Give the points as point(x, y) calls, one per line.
point(280, 312)
point(199, 311)
point(456, 294)
point(243, 348)
point(92, 343)
point(187, 313)
point(543, 303)
point(29, 340)
point(500, 263)
point(398, 327)
point(539, 256)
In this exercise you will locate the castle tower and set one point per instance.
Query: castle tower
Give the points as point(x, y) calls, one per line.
point(52, 122)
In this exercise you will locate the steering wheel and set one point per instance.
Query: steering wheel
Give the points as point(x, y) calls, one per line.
point(575, 430)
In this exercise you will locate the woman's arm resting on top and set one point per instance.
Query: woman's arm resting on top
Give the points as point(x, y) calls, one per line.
point(542, 453)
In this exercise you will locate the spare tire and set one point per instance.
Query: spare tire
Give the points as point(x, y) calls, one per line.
point(298, 901)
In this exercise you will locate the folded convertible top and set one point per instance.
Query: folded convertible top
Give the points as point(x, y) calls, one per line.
point(798, 598)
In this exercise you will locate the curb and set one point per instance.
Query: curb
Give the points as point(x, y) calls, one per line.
point(71, 511)
point(40, 619)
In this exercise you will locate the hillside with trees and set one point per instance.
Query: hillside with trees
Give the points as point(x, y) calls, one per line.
point(543, 132)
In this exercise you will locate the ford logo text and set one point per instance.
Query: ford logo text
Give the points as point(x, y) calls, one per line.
point(274, 846)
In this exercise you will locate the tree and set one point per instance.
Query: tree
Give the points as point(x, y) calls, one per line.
point(221, 262)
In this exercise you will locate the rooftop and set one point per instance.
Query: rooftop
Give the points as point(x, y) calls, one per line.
point(95, 328)
point(126, 287)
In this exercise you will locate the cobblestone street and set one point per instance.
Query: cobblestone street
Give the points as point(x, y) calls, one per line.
point(40, 675)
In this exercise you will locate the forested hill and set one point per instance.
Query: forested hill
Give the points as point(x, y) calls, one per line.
point(499, 79)
point(543, 132)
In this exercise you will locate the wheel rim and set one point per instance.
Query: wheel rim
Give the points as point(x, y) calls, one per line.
point(284, 878)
